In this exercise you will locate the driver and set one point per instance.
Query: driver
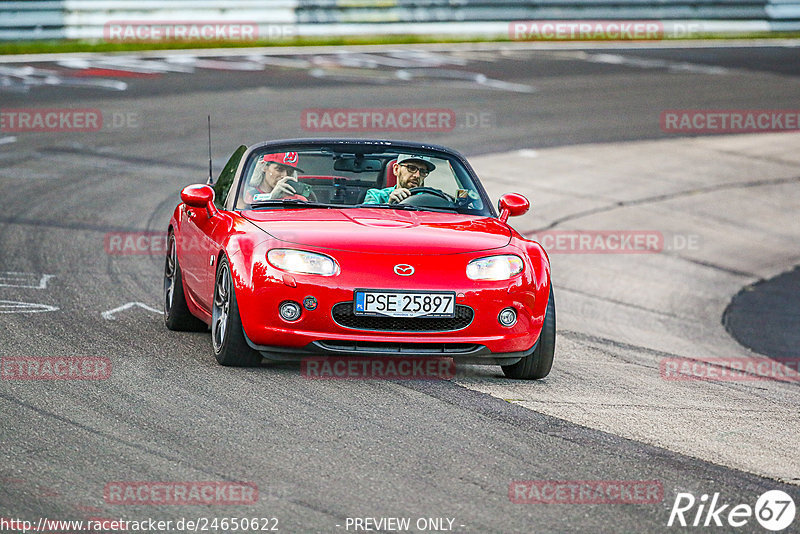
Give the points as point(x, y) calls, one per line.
point(410, 172)
point(270, 177)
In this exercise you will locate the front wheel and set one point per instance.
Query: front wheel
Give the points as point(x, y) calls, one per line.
point(227, 334)
point(538, 364)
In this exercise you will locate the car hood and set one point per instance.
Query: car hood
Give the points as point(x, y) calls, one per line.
point(373, 230)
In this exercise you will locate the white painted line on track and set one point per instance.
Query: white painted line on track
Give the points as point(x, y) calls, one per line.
point(674, 66)
point(23, 78)
point(10, 306)
point(279, 61)
point(214, 64)
point(24, 280)
point(127, 63)
point(109, 314)
point(343, 65)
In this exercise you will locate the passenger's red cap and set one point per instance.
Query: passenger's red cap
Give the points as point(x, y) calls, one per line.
point(284, 158)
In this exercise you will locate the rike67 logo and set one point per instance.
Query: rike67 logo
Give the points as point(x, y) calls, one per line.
point(774, 510)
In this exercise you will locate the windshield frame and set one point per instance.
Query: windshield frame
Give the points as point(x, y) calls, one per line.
point(360, 146)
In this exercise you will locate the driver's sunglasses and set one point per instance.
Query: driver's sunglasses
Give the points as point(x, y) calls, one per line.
point(413, 168)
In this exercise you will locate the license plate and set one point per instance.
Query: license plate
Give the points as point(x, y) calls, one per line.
point(405, 303)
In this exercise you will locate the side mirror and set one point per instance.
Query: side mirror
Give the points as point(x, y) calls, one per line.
point(199, 196)
point(512, 205)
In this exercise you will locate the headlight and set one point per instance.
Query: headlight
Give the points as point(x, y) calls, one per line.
point(494, 267)
point(301, 262)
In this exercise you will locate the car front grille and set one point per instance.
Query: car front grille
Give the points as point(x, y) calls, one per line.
point(344, 316)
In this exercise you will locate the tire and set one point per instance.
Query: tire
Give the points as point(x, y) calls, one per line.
point(227, 334)
point(538, 364)
point(176, 313)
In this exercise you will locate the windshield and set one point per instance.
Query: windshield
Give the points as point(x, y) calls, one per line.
point(392, 180)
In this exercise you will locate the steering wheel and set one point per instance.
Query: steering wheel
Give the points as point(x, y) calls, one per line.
point(430, 191)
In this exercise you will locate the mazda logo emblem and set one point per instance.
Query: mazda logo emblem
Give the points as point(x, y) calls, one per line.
point(402, 269)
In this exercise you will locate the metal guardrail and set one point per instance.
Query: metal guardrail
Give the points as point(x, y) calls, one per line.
point(32, 20)
point(335, 11)
point(87, 19)
point(783, 14)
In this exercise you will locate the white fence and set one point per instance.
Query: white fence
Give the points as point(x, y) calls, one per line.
point(90, 19)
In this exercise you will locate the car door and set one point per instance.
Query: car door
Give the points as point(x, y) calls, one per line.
point(196, 245)
point(200, 241)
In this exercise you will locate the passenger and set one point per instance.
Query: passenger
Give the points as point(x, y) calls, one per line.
point(270, 177)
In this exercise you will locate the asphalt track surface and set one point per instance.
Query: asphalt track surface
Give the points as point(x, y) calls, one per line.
point(765, 316)
point(320, 452)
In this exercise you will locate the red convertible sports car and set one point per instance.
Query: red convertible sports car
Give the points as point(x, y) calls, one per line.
point(371, 248)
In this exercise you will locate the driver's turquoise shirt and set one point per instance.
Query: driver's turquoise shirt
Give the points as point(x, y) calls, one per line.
point(378, 196)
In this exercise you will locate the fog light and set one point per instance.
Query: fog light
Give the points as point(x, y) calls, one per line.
point(290, 311)
point(507, 317)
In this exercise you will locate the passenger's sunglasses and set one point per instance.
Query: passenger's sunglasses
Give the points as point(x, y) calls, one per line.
point(283, 168)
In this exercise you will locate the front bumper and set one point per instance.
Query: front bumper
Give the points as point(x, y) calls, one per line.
point(320, 331)
point(459, 352)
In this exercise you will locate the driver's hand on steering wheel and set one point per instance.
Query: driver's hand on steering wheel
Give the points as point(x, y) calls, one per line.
point(398, 195)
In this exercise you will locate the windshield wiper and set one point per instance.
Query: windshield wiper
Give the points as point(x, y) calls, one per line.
point(292, 202)
point(391, 207)
point(297, 203)
point(407, 207)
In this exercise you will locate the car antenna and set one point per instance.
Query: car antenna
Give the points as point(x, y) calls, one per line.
point(210, 179)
